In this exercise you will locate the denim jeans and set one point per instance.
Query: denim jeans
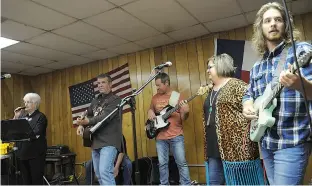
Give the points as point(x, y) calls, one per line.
point(103, 161)
point(127, 170)
point(126, 166)
point(214, 172)
point(177, 147)
point(286, 166)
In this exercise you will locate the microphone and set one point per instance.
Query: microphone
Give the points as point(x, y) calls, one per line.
point(5, 76)
point(20, 108)
point(167, 64)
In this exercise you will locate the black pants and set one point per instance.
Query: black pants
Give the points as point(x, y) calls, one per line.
point(32, 170)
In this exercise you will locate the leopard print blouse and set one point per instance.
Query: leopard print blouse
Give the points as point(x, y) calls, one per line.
point(232, 128)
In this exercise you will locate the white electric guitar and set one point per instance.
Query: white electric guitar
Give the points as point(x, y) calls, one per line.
point(265, 104)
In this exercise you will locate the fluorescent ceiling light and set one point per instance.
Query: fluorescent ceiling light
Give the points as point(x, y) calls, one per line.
point(5, 42)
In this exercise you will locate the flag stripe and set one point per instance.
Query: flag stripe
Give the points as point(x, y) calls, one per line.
point(121, 82)
point(81, 107)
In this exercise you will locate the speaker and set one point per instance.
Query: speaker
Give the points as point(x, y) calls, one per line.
point(149, 171)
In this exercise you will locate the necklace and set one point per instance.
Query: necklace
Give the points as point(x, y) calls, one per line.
point(212, 99)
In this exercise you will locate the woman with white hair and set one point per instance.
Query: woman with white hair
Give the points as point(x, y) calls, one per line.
point(226, 132)
point(31, 154)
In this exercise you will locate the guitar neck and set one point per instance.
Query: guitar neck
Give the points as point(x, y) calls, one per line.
point(167, 115)
point(277, 89)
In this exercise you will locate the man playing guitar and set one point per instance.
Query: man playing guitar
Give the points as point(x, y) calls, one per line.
point(286, 146)
point(172, 136)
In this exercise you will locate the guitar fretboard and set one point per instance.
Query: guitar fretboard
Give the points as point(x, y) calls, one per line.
point(167, 114)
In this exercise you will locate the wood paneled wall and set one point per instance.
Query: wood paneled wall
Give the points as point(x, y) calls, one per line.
point(187, 73)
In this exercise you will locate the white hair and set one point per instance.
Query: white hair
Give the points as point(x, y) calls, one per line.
point(34, 97)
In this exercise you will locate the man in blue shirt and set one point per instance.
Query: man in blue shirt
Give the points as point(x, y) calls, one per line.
point(285, 146)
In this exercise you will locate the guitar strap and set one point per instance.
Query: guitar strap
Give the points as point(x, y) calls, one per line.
point(280, 67)
point(100, 107)
point(174, 98)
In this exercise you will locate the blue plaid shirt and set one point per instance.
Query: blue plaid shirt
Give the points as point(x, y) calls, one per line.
point(292, 125)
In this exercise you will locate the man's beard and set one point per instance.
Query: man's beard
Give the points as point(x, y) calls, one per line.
point(274, 38)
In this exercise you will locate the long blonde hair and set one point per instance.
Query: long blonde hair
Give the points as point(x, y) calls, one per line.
point(258, 38)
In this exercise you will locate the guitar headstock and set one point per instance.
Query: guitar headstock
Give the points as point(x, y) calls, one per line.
point(84, 114)
point(303, 60)
point(203, 89)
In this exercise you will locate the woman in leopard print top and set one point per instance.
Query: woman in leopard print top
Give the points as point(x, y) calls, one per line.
point(226, 131)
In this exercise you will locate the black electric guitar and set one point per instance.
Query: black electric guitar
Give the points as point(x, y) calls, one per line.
point(154, 126)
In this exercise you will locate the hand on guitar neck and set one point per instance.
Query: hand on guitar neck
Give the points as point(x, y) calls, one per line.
point(83, 120)
point(291, 80)
point(80, 128)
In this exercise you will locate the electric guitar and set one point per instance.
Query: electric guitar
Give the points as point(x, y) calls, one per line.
point(265, 104)
point(154, 126)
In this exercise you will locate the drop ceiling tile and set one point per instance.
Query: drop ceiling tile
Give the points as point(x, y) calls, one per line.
point(13, 30)
point(155, 41)
point(122, 24)
point(13, 67)
point(101, 54)
point(210, 10)
point(89, 34)
point(120, 2)
point(37, 51)
point(57, 65)
point(188, 32)
point(164, 15)
point(57, 42)
point(30, 13)
point(76, 60)
point(301, 6)
point(20, 58)
point(227, 23)
point(251, 16)
point(125, 48)
point(248, 5)
point(38, 70)
point(77, 8)
point(28, 73)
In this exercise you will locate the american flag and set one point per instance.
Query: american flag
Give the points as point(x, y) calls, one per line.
point(82, 94)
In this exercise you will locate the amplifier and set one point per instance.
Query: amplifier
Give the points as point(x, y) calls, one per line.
point(57, 150)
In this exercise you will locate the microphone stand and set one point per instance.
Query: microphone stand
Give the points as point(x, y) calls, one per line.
point(131, 101)
point(306, 104)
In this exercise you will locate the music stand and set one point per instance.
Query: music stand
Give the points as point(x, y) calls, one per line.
point(17, 130)
point(14, 130)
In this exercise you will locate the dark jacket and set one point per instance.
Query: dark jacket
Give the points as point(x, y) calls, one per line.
point(109, 133)
point(37, 147)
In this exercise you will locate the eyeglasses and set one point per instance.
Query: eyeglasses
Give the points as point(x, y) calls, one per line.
point(210, 66)
point(27, 102)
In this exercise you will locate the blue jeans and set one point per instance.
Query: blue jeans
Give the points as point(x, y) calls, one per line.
point(286, 166)
point(214, 172)
point(126, 165)
point(127, 170)
point(103, 161)
point(177, 147)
